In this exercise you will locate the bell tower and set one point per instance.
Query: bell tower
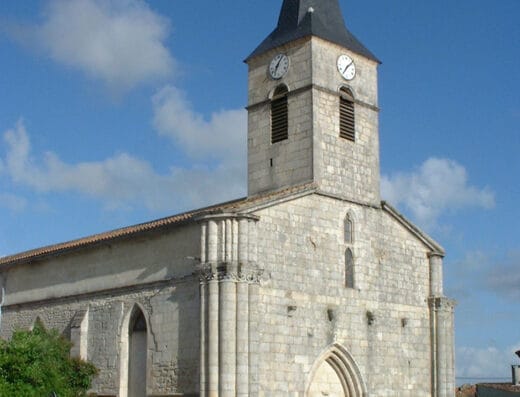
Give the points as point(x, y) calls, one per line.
point(313, 106)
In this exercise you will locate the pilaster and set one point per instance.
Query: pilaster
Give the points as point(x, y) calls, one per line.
point(226, 275)
point(436, 284)
point(443, 354)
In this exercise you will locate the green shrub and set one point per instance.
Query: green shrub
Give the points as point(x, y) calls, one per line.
point(36, 363)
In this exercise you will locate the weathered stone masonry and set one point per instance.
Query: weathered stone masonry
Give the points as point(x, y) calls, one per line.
point(310, 286)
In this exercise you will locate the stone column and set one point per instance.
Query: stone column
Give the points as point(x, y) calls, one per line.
point(242, 370)
point(243, 241)
point(436, 288)
point(254, 349)
point(227, 334)
point(443, 346)
point(213, 311)
point(247, 245)
point(203, 313)
point(203, 333)
point(449, 308)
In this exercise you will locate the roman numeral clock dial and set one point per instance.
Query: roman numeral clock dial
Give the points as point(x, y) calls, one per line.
point(279, 66)
point(346, 67)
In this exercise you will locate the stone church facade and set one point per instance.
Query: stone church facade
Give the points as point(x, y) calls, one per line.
point(310, 286)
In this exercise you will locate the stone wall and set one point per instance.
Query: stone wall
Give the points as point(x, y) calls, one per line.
point(290, 161)
point(304, 306)
point(314, 151)
point(91, 301)
point(342, 167)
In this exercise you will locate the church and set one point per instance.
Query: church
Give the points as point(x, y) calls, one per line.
point(310, 286)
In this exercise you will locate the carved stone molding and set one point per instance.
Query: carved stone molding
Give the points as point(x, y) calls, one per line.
point(442, 303)
point(250, 274)
point(205, 272)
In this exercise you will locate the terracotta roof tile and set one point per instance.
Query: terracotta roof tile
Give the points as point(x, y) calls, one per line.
point(231, 206)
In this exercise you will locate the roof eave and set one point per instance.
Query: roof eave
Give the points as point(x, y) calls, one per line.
point(435, 247)
point(245, 205)
point(265, 47)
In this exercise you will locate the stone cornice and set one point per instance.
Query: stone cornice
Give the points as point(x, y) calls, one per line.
point(104, 293)
point(308, 87)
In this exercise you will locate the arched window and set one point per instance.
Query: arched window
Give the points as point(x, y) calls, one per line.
point(279, 115)
point(349, 229)
point(347, 125)
point(349, 268)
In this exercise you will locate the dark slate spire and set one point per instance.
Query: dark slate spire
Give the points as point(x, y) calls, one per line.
point(321, 18)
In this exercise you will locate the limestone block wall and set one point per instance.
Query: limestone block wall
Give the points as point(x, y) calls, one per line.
point(287, 162)
point(314, 150)
point(342, 167)
point(88, 296)
point(304, 306)
point(172, 314)
point(325, 72)
point(299, 75)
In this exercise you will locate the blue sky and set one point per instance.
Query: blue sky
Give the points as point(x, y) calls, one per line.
point(118, 112)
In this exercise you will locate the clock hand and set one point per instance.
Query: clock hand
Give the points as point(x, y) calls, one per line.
point(277, 65)
point(346, 67)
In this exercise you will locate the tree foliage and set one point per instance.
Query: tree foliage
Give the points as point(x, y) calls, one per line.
point(37, 363)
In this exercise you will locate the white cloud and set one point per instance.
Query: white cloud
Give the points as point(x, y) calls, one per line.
point(120, 42)
point(437, 186)
point(12, 202)
point(478, 271)
point(504, 278)
point(223, 136)
point(486, 362)
point(123, 180)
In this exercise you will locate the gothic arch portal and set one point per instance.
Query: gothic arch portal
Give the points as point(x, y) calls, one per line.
point(335, 374)
point(134, 353)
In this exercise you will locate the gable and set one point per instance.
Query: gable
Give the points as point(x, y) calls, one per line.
point(430, 243)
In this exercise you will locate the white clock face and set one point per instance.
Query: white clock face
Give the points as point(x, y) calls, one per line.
point(346, 67)
point(279, 66)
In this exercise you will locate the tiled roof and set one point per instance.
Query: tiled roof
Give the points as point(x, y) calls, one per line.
point(231, 206)
point(502, 386)
point(320, 18)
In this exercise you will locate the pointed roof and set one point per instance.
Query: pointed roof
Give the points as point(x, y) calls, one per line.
point(320, 18)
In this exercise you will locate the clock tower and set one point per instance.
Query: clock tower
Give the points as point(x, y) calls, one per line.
point(313, 106)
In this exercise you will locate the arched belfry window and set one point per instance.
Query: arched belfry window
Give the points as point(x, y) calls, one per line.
point(347, 125)
point(349, 268)
point(279, 115)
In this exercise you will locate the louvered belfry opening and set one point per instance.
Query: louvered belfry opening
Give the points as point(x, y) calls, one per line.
point(347, 126)
point(279, 115)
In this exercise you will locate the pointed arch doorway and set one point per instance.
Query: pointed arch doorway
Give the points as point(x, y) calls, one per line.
point(335, 374)
point(134, 354)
